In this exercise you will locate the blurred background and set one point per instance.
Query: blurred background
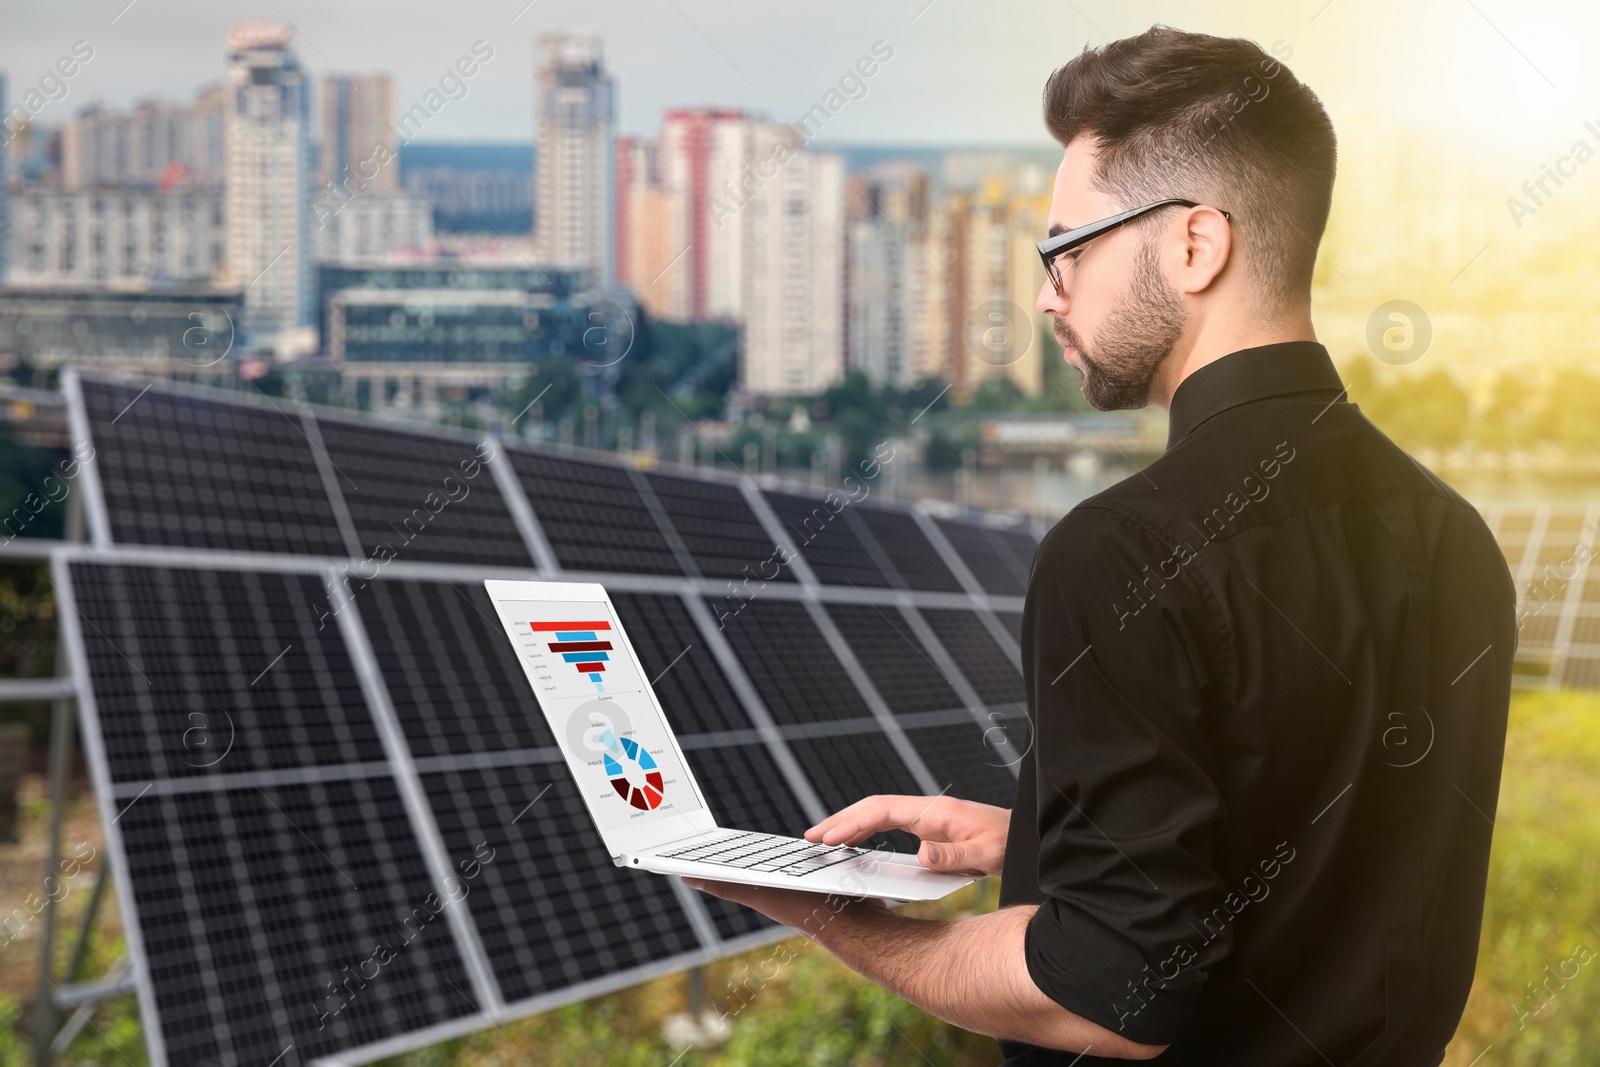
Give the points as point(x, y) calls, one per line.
point(768, 241)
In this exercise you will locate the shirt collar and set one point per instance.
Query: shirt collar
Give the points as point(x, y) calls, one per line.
point(1250, 374)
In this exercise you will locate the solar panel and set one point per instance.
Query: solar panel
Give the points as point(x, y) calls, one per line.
point(718, 528)
point(746, 791)
point(790, 663)
point(993, 671)
point(848, 767)
point(286, 917)
point(899, 665)
point(453, 679)
point(190, 473)
point(1019, 546)
point(386, 732)
point(827, 540)
point(200, 672)
point(959, 760)
point(915, 561)
point(1012, 620)
point(993, 570)
point(743, 784)
point(548, 913)
point(691, 687)
point(592, 516)
point(422, 496)
point(1548, 549)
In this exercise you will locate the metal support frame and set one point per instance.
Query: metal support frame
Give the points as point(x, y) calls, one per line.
point(61, 1009)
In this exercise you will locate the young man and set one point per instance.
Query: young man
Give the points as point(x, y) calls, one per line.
point(1267, 676)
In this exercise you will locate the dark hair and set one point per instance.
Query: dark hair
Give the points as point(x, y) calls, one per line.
point(1211, 119)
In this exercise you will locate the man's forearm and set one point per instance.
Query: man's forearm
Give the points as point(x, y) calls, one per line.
point(969, 972)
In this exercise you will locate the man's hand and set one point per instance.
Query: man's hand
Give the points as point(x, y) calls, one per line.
point(960, 836)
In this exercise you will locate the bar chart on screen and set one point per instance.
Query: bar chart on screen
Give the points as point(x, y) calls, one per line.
point(574, 651)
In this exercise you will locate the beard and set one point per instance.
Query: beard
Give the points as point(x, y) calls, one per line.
point(1139, 334)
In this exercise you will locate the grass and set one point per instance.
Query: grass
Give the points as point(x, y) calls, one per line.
point(1542, 921)
point(1544, 895)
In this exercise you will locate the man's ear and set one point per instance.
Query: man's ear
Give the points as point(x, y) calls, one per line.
point(1207, 247)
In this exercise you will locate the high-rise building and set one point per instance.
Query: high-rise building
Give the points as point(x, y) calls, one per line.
point(707, 175)
point(887, 270)
point(267, 179)
point(123, 235)
point(794, 262)
point(645, 256)
point(995, 327)
point(155, 143)
point(575, 115)
point(355, 116)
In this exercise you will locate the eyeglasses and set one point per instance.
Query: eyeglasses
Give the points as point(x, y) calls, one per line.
point(1052, 248)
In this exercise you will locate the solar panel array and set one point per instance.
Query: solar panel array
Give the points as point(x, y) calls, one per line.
point(1550, 549)
point(342, 826)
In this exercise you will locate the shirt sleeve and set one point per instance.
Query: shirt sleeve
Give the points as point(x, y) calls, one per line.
point(1117, 631)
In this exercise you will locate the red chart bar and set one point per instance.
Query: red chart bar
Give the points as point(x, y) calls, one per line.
point(580, 646)
point(538, 626)
point(590, 668)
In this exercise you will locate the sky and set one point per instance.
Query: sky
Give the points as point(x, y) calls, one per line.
point(961, 72)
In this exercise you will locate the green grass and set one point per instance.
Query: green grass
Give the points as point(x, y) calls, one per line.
point(816, 1011)
point(1548, 826)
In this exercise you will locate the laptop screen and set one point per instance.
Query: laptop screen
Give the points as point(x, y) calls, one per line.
point(599, 705)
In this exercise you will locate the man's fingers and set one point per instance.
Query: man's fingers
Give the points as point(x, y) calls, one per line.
point(725, 890)
point(950, 856)
point(886, 811)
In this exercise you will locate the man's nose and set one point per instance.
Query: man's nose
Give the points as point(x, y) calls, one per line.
point(1050, 300)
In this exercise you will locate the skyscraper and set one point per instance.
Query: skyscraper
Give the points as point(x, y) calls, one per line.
point(888, 274)
point(266, 150)
point(794, 262)
point(644, 254)
point(356, 113)
point(705, 169)
point(574, 186)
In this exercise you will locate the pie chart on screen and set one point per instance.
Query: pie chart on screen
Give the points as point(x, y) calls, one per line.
point(645, 796)
point(598, 726)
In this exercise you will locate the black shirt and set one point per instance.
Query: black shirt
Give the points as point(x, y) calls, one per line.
point(1267, 682)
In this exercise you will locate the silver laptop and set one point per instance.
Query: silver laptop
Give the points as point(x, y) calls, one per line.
point(632, 775)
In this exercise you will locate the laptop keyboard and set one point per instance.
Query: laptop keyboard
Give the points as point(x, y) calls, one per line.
point(766, 852)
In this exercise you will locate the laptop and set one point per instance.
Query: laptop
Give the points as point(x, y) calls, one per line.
point(632, 774)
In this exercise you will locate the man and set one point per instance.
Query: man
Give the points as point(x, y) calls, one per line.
point(1267, 676)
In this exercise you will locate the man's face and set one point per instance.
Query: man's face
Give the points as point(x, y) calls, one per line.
point(1120, 319)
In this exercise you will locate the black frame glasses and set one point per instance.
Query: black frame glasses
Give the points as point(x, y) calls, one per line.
point(1052, 248)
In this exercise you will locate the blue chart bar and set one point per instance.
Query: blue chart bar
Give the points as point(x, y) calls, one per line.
point(578, 643)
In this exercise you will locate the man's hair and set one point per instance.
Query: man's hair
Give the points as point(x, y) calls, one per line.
point(1211, 119)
